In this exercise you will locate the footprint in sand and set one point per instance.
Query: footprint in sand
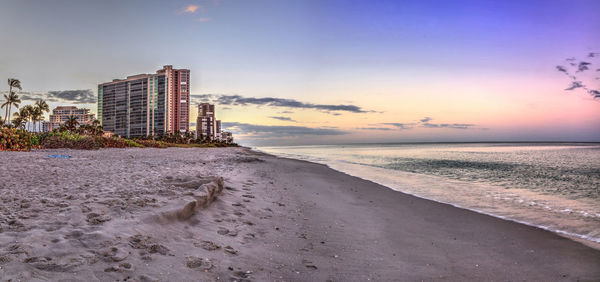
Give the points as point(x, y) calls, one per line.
point(230, 250)
point(196, 262)
point(308, 264)
point(96, 219)
point(225, 231)
point(120, 268)
point(207, 245)
point(113, 254)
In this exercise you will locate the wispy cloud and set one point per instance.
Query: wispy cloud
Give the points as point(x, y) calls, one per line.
point(425, 119)
point(278, 131)
point(423, 123)
point(238, 100)
point(448, 125)
point(85, 96)
point(583, 66)
point(283, 118)
point(202, 19)
point(192, 8)
point(375, 128)
point(575, 71)
point(399, 125)
point(575, 85)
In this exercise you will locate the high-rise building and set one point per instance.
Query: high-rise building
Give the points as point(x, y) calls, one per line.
point(146, 104)
point(62, 113)
point(206, 124)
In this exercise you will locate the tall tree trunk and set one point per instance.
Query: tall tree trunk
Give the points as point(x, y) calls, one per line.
point(9, 91)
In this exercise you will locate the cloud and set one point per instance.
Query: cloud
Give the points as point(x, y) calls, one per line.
point(192, 8)
point(85, 96)
point(283, 118)
point(400, 125)
point(425, 123)
point(561, 69)
point(583, 81)
point(202, 19)
point(575, 85)
point(375, 128)
point(583, 66)
point(286, 112)
point(238, 100)
point(448, 125)
point(278, 131)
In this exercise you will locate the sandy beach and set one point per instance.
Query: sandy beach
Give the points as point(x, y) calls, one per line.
point(237, 215)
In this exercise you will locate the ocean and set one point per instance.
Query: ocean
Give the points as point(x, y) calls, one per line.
point(549, 185)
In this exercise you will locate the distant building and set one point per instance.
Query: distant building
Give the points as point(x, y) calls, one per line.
point(206, 123)
point(209, 127)
point(146, 104)
point(227, 136)
point(61, 114)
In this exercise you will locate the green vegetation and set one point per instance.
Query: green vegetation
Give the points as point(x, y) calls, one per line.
point(72, 135)
point(13, 139)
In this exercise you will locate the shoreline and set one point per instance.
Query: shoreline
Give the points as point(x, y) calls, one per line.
point(277, 219)
point(583, 239)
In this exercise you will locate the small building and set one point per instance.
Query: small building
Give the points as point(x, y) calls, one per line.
point(62, 113)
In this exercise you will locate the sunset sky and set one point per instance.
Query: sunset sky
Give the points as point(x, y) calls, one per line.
point(328, 71)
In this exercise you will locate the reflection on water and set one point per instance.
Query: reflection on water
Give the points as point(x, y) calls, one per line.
point(554, 186)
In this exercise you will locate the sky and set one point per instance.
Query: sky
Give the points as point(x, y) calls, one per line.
point(328, 71)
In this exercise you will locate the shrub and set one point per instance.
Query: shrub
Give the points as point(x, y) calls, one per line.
point(152, 143)
point(70, 141)
point(110, 142)
point(131, 143)
point(12, 139)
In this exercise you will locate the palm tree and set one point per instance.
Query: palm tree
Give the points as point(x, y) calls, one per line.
point(71, 123)
point(97, 129)
point(41, 106)
point(13, 82)
point(26, 113)
point(11, 99)
point(36, 115)
point(20, 118)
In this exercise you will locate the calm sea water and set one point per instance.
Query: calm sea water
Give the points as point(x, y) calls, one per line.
point(552, 186)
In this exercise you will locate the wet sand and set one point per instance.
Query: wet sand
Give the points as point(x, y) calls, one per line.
point(165, 215)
